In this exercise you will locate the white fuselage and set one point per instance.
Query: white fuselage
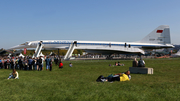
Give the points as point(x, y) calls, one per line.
point(93, 46)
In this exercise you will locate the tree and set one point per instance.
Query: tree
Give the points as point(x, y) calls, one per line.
point(79, 51)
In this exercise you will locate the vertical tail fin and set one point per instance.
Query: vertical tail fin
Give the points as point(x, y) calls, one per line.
point(161, 35)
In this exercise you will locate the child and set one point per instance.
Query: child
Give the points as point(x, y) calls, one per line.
point(60, 65)
point(70, 65)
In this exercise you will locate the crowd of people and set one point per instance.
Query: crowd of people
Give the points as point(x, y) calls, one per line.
point(26, 63)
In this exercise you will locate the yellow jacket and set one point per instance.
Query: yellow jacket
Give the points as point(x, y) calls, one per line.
point(124, 77)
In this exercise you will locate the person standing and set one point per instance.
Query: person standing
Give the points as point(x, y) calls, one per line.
point(5, 65)
point(8, 63)
point(48, 60)
point(16, 64)
point(33, 62)
point(40, 64)
point(55, 60)
point(37, 63)
point(20, 63)
point(0, 64)
point(25, 62)
point(12, 64)
point(30, 63)
point(2, 60)
point(50, 64)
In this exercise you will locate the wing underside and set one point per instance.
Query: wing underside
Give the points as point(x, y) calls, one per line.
point(120, 50)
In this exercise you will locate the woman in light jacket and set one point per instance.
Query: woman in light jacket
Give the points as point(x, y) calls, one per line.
point(14, 75)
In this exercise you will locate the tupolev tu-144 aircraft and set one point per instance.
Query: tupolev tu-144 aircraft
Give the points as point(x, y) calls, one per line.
point(157, 39)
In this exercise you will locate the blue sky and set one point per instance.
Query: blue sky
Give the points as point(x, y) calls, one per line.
point(96, 20)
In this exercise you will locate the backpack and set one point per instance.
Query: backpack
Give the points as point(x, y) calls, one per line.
point(99, 78)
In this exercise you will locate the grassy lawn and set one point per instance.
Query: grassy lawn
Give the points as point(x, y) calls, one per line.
point(78, 83)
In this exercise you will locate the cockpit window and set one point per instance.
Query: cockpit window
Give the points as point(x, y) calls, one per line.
point(25, 43)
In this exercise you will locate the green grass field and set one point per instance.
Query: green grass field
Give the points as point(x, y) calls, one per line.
point(78, 83)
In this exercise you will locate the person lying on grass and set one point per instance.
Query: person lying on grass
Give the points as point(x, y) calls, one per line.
point(14, 75)
point(117, 77)
point(119, 64)
point(123, 76)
